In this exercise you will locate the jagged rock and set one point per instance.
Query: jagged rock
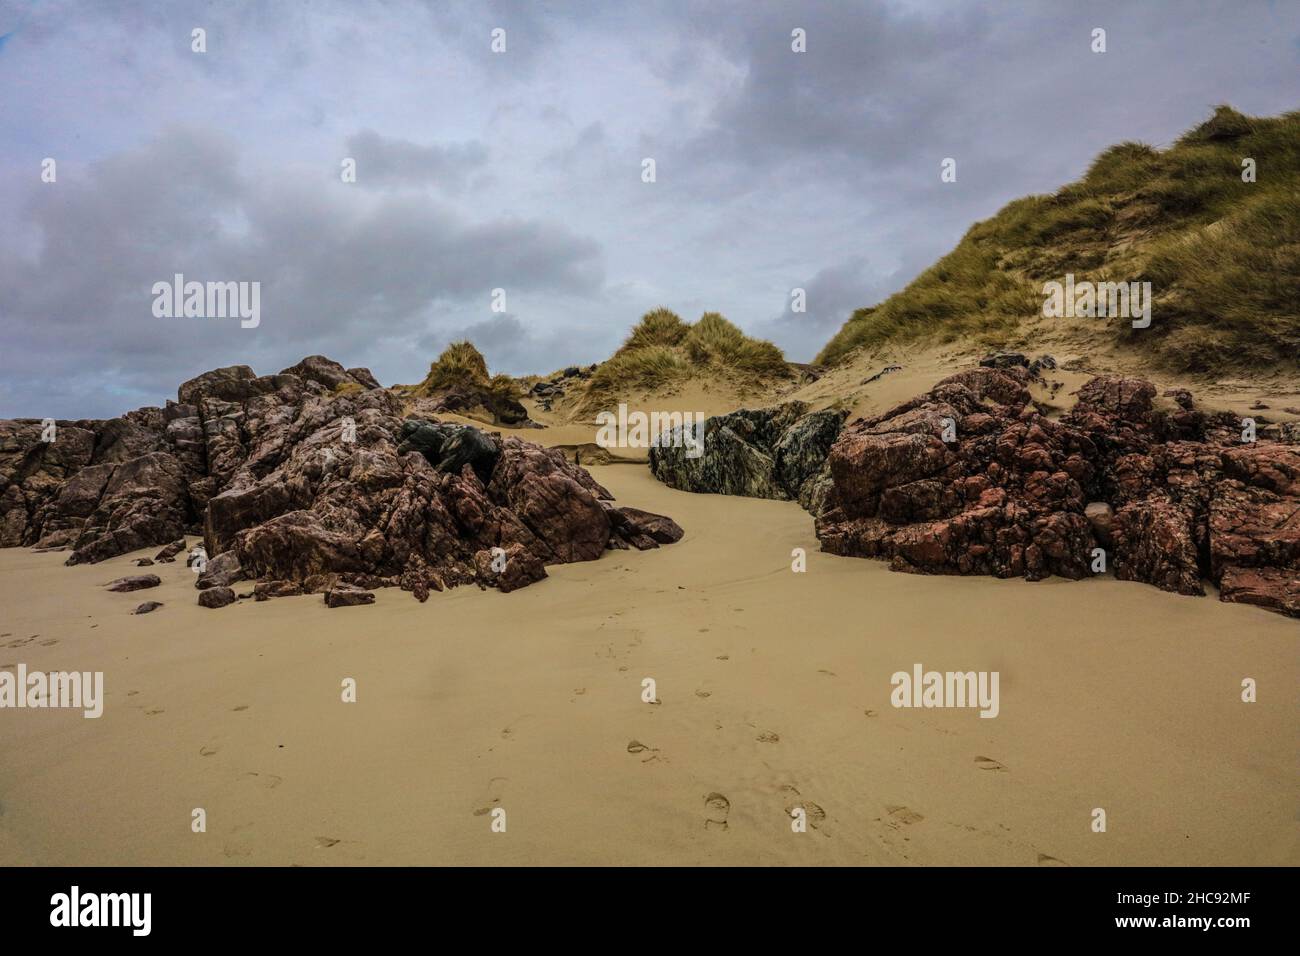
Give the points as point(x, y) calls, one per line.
point(1005, 360)
point(508, 568)
point(465, 398)
point(450, 447)
point(1100, 516)
point(330, 374)
point(143, 563)
point(147, 606)
point(642, 530)
point(134, 582)
point(765, 453)
point(297, 478)
point(217, 597)
point(887, 370)
point(1173, 496)
point(170, 551)
point(347, 595)
point(144, 502)
point(1276, 589)
point(265, 590)
point(221, 571)
point(364, 378)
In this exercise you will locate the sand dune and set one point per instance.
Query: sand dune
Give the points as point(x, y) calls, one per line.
point(774, 691)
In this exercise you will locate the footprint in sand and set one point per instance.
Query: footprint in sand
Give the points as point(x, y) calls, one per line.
point(703, 693)
point(207, 750)
point(508, 732)
point(900, 816)
point(870, 713)
point(636, 747)
point(723, 657)
point(53, 640)
point(492, 797)
point(717, 808)
point(767, 737)
point(323, 843)
point(988, 763)
point(1045, 860)
point(155, 712)
point(239, 708)
point(132, 693)
point(828, 673)
point(267, 781)
point(813, 813)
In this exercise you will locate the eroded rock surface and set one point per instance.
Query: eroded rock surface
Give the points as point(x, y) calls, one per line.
point(765, 453)
point(1170, 494)
point(309, 481)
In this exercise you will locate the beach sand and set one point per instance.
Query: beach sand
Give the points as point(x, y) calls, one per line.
point(774, 692)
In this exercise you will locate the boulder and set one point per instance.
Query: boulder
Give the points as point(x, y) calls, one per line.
point(765, 453)
point(217, 597)
point(134, 582)
point(347, 595)
point(265, 590)
point(221, 571)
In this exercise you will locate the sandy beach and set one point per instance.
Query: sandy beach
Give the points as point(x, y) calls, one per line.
point(773, 692)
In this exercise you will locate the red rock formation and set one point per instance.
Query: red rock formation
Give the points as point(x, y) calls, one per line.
point(1008, 495)
point(311, 487)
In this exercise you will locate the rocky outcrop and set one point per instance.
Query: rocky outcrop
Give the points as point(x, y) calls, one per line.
point(766, 453)
point(310, 481)
point(973, 478)
point(548, 391)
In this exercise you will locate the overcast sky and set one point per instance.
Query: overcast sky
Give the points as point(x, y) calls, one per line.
point(522, 170)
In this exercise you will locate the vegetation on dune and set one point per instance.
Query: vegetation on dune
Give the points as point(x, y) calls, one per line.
point(663, 350)
point(715, 341)
point(1222, 254)
point(460, 364)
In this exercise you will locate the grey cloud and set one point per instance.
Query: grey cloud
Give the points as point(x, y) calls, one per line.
point(387, 161)
point(341, 273)
point(521, 170)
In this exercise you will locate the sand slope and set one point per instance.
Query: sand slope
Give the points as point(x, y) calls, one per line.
point(774, 691)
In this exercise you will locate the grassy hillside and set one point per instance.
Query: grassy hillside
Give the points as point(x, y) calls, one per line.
point(1222, 255)
point(662, 350)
